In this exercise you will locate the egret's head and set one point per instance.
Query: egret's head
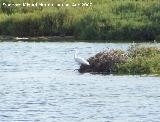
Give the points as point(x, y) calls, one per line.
point(75, 50)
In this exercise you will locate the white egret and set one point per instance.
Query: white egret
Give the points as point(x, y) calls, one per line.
point(80, 60)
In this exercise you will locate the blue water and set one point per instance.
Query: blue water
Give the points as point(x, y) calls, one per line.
point(39, 83)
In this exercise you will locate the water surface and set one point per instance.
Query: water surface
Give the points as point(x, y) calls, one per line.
point(39, 83)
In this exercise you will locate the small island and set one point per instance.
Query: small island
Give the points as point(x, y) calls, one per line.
point(137, 60)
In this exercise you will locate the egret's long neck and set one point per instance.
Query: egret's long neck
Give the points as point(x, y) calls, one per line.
point(75, 54)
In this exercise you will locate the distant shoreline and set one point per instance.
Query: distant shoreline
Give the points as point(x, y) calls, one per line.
point(6, 38)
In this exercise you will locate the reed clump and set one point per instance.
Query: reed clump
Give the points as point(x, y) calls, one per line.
point(105, 62)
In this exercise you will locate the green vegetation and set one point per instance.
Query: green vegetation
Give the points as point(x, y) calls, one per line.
point(136, 61)
point(104, 20)
point(141, 60)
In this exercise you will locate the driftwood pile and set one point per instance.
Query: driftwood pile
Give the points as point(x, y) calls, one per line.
point(104, 62)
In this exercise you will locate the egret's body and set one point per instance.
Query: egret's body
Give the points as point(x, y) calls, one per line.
point(80, 60)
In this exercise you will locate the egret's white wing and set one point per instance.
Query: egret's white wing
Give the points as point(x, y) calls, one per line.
point(81, 61)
